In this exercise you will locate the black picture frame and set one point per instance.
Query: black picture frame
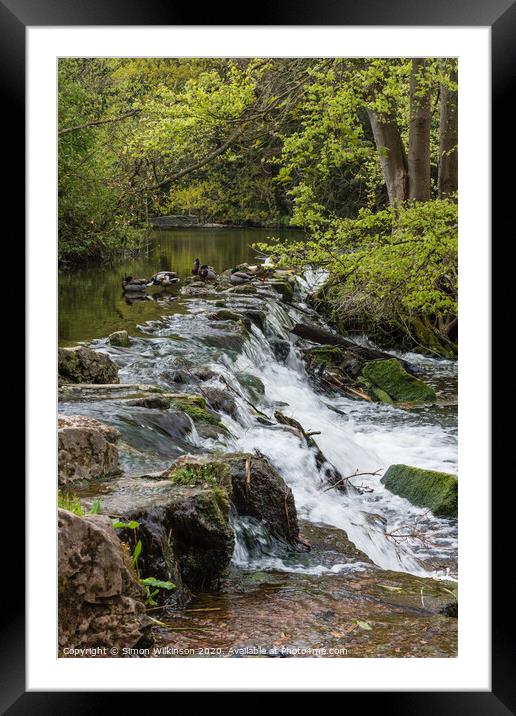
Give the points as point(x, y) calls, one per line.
point(500, 15)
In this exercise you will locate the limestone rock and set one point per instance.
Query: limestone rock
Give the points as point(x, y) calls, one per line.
point(86, 449)
point(100, 600)
point(81, 364)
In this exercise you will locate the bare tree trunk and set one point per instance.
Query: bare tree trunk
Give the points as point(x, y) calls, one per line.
point(448, 154)
point(419, 134)
point(393, 158)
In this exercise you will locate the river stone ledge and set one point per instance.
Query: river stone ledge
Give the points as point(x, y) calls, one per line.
point(86, 449)
point(100, 600)
point(207, 422)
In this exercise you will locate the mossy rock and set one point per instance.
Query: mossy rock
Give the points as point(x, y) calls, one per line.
point(390, 377)
point(252, 385)
point(120, 339)
point(227, 315)
point(193, 474)
point(285, 288)
point(195, 407)
point(381, 395)
point(245, 288)
point(438, 491)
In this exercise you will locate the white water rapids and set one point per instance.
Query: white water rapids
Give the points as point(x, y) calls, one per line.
point(356, 436)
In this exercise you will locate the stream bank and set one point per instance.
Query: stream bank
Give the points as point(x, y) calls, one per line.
point(376, 577)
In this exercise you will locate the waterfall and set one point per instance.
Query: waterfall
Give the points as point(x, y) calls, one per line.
point(356, 436)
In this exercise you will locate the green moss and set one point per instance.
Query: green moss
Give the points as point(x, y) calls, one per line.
point(285, 288)
point(119, 338)
point(225, 315)
point(195, 407)
point(213, 473)
point(381, 395)
point(213, 505)
point(253, 385)
point(390, 376)
point(244, 288)
point(327, 356)
point(425, 488)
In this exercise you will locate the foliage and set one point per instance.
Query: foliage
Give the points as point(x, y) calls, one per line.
point(212, 474)
point(147, 582)
point(72, 504)
point(390, 265)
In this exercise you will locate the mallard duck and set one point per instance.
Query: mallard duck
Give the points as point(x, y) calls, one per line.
point(207, 273)
point(163, 278)
point(238, 277)
point(134, 284)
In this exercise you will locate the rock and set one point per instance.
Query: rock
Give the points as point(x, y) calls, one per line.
point(391, 377)
point(221, 400)
point(226, 315)
point(183, 527)
point(84, 365)
point(280, 348)
point(146, 396)
point(100, 600)
point(255, 488)
point(284, 288)
point(86, 449)
point(256, 316)
point(245, 288)
point(119, 338)
point(438, 491)
point(252, 385)
point(259, 491)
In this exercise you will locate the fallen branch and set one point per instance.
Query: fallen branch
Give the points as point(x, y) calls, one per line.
point(349, 477)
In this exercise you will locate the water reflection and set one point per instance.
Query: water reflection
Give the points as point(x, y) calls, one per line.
point(91, 302)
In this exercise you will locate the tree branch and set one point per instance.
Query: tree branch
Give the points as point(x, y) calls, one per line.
point(98, 122)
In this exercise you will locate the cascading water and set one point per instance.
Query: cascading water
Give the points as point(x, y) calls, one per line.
point(356, 437)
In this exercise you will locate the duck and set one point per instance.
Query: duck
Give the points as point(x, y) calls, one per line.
point(207, 273)
point(134, 284)
point(163, 278)
point(238, 277)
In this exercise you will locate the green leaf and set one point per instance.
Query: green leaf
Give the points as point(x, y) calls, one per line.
point(137, 551)
point(132, 525)
point(153, 582)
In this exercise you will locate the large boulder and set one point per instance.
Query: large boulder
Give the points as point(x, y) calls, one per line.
point(86, 449)
point(254, 487)
point(81, 364)
point(183, 527)
point(438, 491)
point(100, 600)
point(389, 377)
point(259, 491)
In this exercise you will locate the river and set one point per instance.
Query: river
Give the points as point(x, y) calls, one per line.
point(170, 331)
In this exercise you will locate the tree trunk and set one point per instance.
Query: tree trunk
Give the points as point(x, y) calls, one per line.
point(393, 158)
point(324, 337)
point(448, 155)
point(419, 134)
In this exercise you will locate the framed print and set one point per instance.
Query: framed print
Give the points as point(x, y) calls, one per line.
point(247, 251)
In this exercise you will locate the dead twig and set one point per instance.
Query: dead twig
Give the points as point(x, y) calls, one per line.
point(349, 477)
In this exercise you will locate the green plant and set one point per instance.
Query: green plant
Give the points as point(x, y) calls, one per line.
point(72, 504)
point(147, 582)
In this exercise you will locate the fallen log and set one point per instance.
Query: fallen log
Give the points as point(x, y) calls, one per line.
point(315, 334)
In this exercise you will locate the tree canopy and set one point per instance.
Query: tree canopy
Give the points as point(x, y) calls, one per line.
point(360, 152)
